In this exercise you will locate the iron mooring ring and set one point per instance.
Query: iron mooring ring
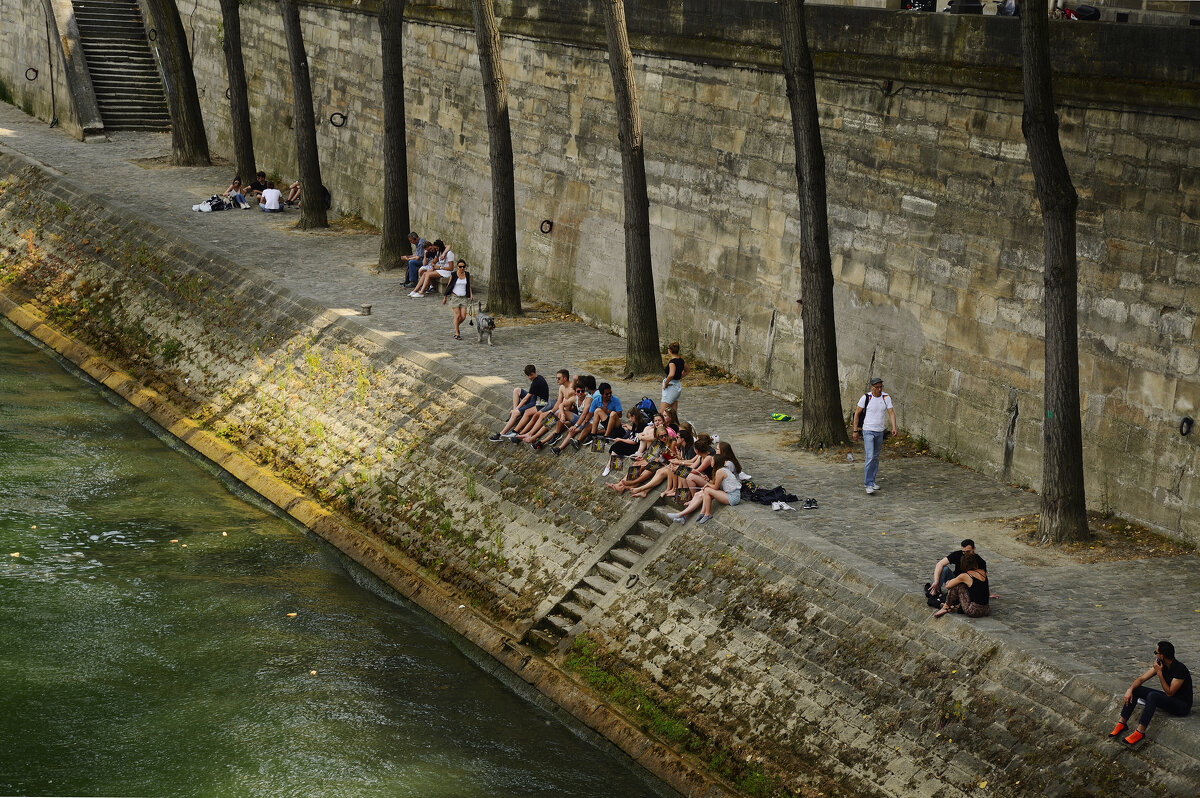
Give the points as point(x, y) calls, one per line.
point(337, 119)
point(631, 580)
point(29, 76)
point(547, 226)
point(1185, 426)
point(228, 94)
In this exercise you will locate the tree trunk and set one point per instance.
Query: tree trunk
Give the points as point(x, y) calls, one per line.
point(394, 243)
point(642, 355)
point(189, 145)
point(1064, 511)
point(312, 197)
point(504, 287)
point(239, 104)
point(821, 421)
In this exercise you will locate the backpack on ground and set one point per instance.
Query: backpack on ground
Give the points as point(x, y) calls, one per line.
point(647, 407)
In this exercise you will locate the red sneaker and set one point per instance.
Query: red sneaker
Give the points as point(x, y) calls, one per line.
point(1120, 727)
point(1134, 738)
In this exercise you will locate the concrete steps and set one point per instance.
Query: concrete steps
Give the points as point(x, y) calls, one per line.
point(613, 570)
point(125, 75)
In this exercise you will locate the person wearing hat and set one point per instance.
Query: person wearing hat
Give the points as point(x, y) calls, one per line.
point(871, 419)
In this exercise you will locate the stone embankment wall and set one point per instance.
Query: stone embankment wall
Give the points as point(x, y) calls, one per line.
point(794, 668)
point(32, 69)
point(934, 225)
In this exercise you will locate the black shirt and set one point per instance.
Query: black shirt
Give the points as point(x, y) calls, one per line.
point(539, 388)
point(679, 366)
point(1179, 671)
point(955, 557)
point(259, 187)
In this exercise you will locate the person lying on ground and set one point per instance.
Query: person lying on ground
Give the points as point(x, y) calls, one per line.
point(950, 566)
point(538, 394)
point(723, 488)
point(682, 451)
point(579, 430)
point(536, 419)
point(269, 201)
point(1175, 696)
point(968, 592)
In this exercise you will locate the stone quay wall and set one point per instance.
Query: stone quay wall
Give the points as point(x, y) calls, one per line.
point(936, 233)
point(935, 229)
point(808, 664)
point(32, 65)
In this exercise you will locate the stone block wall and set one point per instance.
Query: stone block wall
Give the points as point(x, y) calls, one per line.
point(24, 46)
point(935, 229)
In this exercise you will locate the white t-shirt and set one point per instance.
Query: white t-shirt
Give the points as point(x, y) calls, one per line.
point(271, 198)
point(445, 263)
point(875, 418)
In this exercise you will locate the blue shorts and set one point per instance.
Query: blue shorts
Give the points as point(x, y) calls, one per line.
point(528, 400)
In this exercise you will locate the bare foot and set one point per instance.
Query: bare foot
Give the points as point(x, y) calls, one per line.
point(667, 494)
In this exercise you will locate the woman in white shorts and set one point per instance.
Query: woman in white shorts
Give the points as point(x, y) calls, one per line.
point(459, 287)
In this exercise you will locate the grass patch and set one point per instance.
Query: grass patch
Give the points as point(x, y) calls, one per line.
point(353, 223)
point(1116, 539)
point(620, 687)
point(538, 313)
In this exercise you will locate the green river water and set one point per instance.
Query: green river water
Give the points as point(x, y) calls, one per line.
point(133, 665)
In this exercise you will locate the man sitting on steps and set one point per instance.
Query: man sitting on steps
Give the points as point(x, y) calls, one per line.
point(523, 400)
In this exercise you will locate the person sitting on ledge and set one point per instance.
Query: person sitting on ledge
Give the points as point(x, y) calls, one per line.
point(724, 488)
point(606, 413)
point(538, 394)
point(578, 431)
point(950, 566)
point(968, 592)
point(534, 423)
point(293, 196)
point(1175, 696)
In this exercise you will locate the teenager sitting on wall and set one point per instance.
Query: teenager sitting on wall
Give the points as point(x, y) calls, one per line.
point(723, 488)
point(538, 394)
point(682, 456)
point(533, 424)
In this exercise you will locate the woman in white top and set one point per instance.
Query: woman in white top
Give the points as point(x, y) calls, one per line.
point(724, 487)
point(459, 287)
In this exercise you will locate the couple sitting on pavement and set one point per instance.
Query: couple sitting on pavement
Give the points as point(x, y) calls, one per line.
point(963, 574)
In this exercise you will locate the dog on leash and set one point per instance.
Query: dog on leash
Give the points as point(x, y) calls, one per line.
point(482, 321)
point(485, 324)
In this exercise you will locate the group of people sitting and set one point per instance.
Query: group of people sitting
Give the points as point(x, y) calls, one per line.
point(431, 263)
point(261, 192)
point(662, 450)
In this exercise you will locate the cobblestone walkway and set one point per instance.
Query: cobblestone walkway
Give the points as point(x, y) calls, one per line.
point(1106, 617)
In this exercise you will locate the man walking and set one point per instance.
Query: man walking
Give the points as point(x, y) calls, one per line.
point(1175, 696)
point(871, 418)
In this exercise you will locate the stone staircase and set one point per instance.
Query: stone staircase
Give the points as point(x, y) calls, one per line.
point(618, 567)
point(125, 76)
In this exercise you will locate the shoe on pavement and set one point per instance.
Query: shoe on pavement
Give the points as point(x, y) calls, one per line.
point(555, 438)
point(607, 470)
point(510, 434)
point(876, 487)
point(775, 506)
point(870, 490)
point(1135, 738)
point(703, 519)
point(495, 437)
point(1120, 727)
point(677, 518)
point(536, 446)
point(786, 506)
